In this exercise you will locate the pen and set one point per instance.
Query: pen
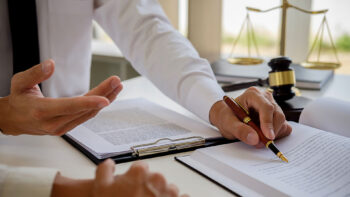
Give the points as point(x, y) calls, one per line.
point(243, 115)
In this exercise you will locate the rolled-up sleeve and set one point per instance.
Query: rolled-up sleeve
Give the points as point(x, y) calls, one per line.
point(26, 181)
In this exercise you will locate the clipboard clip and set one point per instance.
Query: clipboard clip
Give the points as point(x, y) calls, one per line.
point(166, 145)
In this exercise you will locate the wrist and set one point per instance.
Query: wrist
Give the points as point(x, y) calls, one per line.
point(64, 186)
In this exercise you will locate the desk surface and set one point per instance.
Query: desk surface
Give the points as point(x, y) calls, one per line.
point(54, 152)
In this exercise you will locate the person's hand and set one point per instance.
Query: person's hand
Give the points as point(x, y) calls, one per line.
point(137, 181)
point(27, 111)
point(272, 120)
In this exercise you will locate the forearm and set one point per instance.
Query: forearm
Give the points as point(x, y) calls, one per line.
point(160, 53)
point(64, 186)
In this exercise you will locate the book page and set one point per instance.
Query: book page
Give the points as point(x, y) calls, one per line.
point(318, 164)
point(328, 114)
point(132, 122)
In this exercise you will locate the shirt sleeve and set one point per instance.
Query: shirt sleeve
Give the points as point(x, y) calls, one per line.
point(156, 50)
point(26, 181)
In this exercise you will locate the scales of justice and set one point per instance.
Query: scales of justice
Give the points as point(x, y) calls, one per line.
point(251, 40)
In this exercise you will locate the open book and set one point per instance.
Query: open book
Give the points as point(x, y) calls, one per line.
point(318, 151)
point(120, 129)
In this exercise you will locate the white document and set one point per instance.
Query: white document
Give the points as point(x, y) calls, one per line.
point(328, 114)
point(127, 123)
point(318, 164)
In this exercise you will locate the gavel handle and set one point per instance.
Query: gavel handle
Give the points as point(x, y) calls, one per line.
point(244, 85)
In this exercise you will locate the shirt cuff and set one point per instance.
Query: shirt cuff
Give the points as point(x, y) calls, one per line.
point(27, 181)
point(202, 95)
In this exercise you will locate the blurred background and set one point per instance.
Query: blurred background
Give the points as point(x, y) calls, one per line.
point(213, 25)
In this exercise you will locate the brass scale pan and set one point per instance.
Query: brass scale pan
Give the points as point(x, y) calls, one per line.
point(308, 64)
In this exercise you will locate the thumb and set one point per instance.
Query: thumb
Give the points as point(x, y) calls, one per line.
point(33, 76)
point(105, 173)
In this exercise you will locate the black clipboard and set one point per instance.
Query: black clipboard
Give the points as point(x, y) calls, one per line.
point(145, 151)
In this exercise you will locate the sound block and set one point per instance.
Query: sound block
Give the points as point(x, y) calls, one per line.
point(292, 108)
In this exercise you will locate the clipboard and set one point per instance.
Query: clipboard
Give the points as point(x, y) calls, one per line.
point(160, 147)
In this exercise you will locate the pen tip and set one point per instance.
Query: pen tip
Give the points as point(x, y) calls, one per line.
point(284, 158)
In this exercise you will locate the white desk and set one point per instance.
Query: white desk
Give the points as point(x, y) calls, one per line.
point(54, 152)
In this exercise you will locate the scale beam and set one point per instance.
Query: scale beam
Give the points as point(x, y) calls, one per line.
point(262, 11)
point(284, 8)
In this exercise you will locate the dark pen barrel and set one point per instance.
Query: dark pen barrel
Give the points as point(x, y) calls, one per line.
point(273, 148)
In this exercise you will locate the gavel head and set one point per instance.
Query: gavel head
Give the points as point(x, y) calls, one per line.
point(281, 78)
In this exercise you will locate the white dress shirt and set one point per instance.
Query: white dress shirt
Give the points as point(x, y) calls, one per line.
point(138, 27)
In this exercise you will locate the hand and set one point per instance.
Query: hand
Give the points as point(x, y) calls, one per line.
point(27, 111)
point(272, 120)
point(137, 181)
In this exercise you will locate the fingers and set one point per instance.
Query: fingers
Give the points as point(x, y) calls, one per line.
point(62, 124)
point(259, 145)
point(108, 86)
point(280, 125)
point(52, 107)
point(33, 76)
point(79, 116)
point(156, 183)
point(172, 190)
point(278, 115)
point(254, 98)
point(105, 173)
point(138, 170)
point(60, 115)
point(56, 116)
point(285, 130)
point(231, 128)
point(75, 122)
point(113, 95)
point(64, 114)
point(272, 120)
point(139, 181)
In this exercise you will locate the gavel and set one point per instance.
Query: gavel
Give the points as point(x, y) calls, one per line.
point(281, 80)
